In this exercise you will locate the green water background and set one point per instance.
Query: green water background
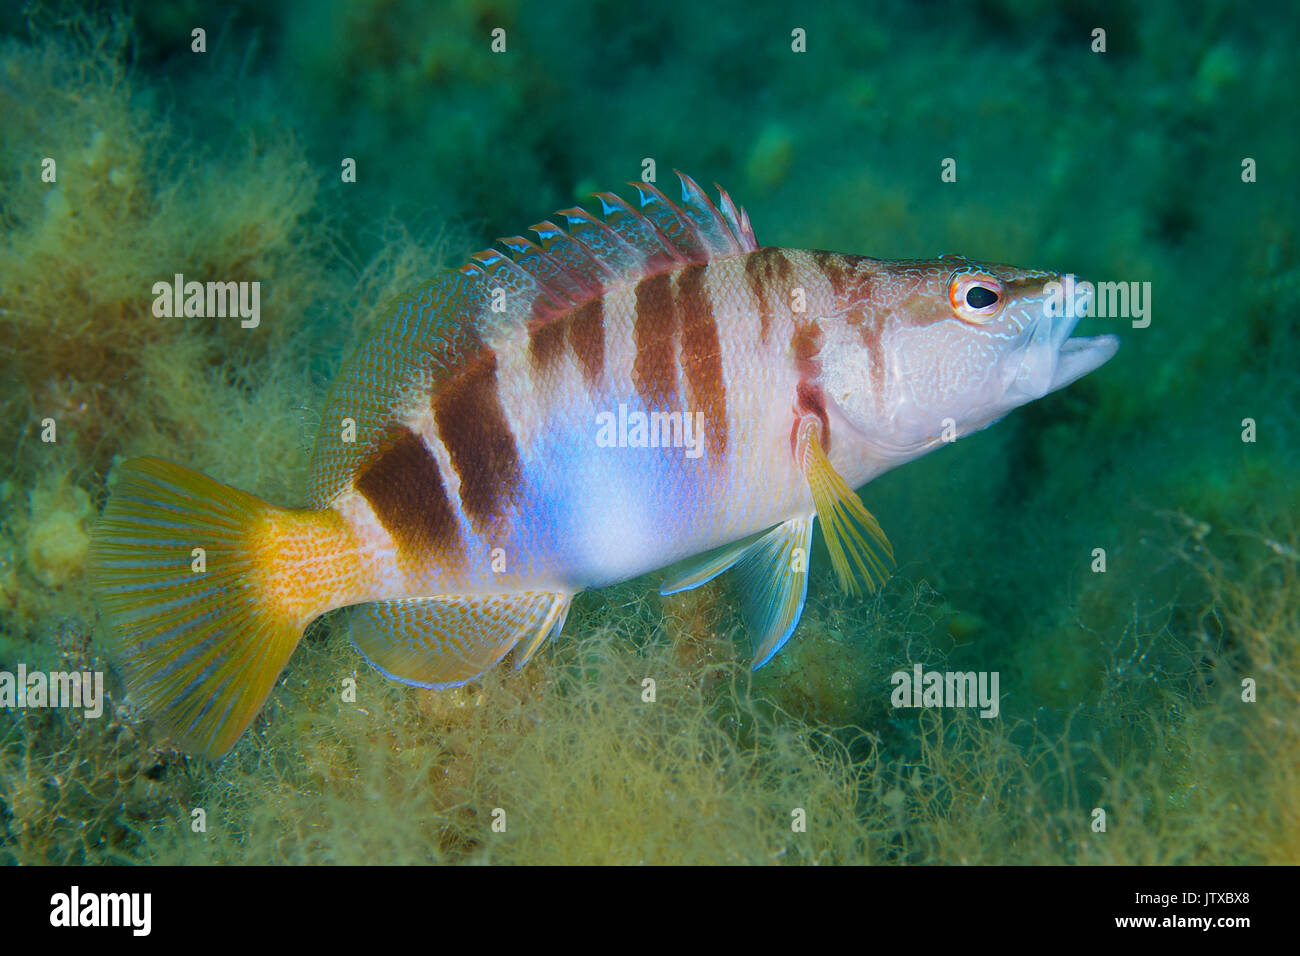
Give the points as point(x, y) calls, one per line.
point(1123, 165)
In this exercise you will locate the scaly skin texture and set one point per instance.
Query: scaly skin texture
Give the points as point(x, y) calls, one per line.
point(744, 344)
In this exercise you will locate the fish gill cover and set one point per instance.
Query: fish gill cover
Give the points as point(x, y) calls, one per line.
point(1114, 565)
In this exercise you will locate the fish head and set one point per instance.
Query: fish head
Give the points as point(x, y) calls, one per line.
point(949, 346)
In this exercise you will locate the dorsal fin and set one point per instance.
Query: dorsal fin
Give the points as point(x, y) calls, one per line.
point(427, 337)
point(570, 266)
point(437, 329)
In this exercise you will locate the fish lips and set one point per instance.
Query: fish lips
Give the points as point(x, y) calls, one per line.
point(1051, 359)
point(1076, 357)
point(1079, 356)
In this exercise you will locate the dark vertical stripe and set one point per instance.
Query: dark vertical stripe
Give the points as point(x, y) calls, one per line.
point(472, 426)
point(654, 369)
point(834, 267)
point(402, 484)
point(810, 400)
point(765, 270)
point(805, 344)
point(545, 343)
point(777, 262)
point(702, 356)
point(868, 326)
point(754, 276)
point(587, 339)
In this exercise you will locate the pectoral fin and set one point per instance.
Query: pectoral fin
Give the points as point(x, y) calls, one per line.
point(846, 522)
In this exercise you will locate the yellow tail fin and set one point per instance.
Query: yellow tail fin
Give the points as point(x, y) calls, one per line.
point(202, 619)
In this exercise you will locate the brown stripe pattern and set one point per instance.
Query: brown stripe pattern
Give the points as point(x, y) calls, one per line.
point(869, 326)
point(805, 344)
point(765, 269)
point(402, 484)
point(702, 355)
point(545, 342)
point(837, 272)
point(654, 370)
point(473, 428)
point(587, 339)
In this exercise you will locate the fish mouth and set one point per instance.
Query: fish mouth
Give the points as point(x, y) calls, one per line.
point(1076, 357)
point(1080, 355)
point(1050, 359)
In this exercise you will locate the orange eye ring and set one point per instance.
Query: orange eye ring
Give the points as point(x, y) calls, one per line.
point(975, 297)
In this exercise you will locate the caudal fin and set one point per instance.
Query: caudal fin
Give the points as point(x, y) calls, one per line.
point(181, 567)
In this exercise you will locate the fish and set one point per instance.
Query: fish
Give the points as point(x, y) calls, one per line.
point(632, 387)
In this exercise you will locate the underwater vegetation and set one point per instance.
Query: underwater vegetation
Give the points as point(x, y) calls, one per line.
point(1121, 689)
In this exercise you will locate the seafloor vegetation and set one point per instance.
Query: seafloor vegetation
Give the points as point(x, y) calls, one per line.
point(1121, 690)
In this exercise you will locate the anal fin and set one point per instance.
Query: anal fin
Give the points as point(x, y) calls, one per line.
point(550, 627)
point(445, 641)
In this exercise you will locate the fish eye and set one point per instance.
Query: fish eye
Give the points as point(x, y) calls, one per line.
point(975, 298)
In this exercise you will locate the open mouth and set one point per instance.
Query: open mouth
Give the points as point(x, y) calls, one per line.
point(1079, 356)
point(1051, 359)
point(1076, 357)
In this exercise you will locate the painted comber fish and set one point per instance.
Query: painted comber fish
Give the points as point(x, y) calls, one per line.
point(622, 393)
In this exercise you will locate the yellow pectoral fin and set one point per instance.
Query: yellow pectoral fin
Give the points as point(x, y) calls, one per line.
point(846, 522)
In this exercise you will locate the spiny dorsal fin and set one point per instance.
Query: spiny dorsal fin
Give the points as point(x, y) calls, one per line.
point(567, 267)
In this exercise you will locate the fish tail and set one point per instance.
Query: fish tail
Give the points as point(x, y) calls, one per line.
point(206, 591)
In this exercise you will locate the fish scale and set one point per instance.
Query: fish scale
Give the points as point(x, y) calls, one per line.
point(627, 391)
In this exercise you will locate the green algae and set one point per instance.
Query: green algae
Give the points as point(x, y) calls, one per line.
point(1123, 688)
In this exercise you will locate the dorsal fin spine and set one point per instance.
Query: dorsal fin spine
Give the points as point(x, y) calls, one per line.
point(519, 284)
point(553, 279)
point(709, 222)
point(572, 256)
point(677, 228)
point(639, 233)
point(607, 249)
point(738, 220)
